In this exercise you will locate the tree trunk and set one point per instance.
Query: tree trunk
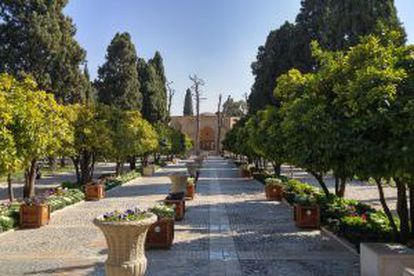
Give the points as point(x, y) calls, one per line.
point(30, 178)
point(10, 187)
point(92, 167)
point(387, 210)
point(119, 167)
point(62, 162)
point(52, 163)
point(277, 168)
point(342, 187)
point(336, 184)
point(402, 210)
point(85, 167)
point(319, 178)
point(133, 163)
point(411, 191)
point(75, 161)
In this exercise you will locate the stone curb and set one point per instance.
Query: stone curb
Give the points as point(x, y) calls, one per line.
point(340, 240)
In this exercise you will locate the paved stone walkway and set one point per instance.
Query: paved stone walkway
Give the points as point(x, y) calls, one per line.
point(229, 229)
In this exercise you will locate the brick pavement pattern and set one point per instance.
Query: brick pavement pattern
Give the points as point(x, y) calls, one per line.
point(229, 229)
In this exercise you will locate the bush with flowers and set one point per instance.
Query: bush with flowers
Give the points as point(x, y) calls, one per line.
point(163, 210)
point(355, 221)
point(123, 216)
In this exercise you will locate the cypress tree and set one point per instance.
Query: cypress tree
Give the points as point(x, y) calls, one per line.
point(188, 104)
point(154, 90)
point(161, 84)
point(50, 54)
point(336, 25)
point(118, 83)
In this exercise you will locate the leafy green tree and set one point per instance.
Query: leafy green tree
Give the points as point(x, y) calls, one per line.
point(117, 82)
point(131, 135)
point(234, 108)
point(188, 103)
point(37, 39)
point(376, 94)
point(91, 138)
point(9, 161)
point(336, 25)
point(39, 125)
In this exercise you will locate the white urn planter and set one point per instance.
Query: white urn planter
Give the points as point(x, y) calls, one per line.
point(179, 183)
point(126, 246)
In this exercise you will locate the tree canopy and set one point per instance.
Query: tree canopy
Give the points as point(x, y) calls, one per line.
point(37, 39)
point(336, 25)
point(117, 82)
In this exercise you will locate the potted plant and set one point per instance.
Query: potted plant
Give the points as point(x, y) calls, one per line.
point(306, 212)
point(274, 189)
point(34, 212)
point(177, 199)
point(190, 188)
point(161, 232)
point(94, 191)
point(125, 234)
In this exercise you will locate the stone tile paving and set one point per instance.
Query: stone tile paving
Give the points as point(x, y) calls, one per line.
point(228, 230)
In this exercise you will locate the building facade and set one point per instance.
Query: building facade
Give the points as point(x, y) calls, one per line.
point(208, 128)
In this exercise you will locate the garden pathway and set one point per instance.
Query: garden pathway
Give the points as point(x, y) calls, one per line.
point(229, 229)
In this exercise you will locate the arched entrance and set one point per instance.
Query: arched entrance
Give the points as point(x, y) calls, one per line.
point(207, 139)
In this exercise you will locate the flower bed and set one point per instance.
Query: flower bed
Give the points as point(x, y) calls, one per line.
point(355, 221)
point(57, 199)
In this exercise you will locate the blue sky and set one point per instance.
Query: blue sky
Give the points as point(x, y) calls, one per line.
point(216, 39)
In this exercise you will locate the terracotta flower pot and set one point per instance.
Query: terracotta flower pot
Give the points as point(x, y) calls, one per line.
point(126, 246)
point(307, 216)
point(160, 234)
point(94, 192)
point(274, 192)
point(179, 183)
point(179, 207)
point(190, 191)
point(34, 216)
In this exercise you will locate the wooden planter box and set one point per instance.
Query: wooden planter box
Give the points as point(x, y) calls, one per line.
point(307, 216)
point(94, 192)
point(179, 208)
point(190, 191)
point(274, 192)
point(160, 234)
point(34, 216)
